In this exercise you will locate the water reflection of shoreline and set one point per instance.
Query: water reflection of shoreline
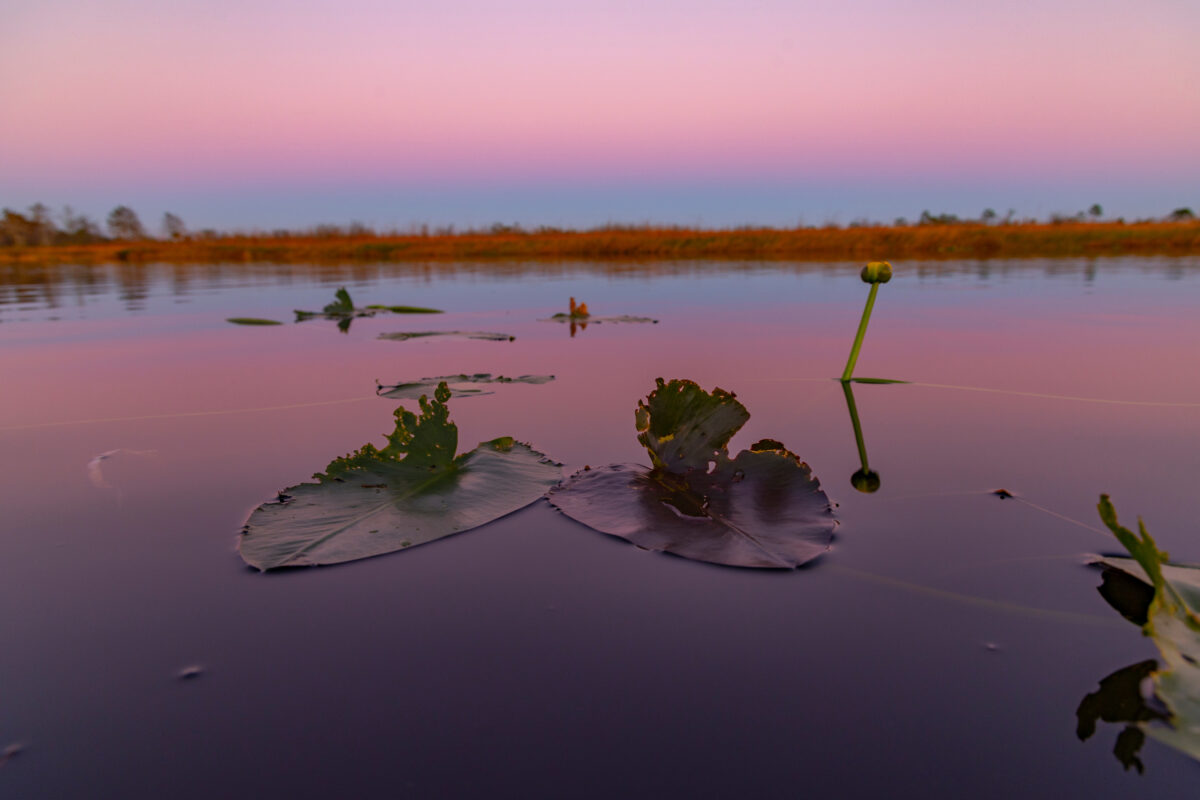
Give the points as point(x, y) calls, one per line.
point(55, 285)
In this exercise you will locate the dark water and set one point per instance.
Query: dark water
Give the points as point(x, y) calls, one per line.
point(940, 649)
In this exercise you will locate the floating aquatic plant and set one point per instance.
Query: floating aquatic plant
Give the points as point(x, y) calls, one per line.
point(579, 317)
point(253, 321)
point(1162, 598)
point(413, 490)
point(403, 336)
point(462, 385)
point(344, 311)
point(762, 508)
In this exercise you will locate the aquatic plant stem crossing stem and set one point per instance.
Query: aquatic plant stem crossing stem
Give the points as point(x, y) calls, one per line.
point(862, 331)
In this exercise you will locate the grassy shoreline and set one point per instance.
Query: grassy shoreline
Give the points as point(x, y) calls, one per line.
point(816, 244)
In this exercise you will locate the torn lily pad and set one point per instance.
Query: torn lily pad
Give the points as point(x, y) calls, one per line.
point(402, 336)
point(413, 490)
point(1167, 602)
point(462, 385)
point(762, 508)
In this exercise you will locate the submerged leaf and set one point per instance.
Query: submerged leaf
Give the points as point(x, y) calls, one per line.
point(401, 336)
point(411, 491)
point(763, 508)
point(462, 385)
point(1170, 620)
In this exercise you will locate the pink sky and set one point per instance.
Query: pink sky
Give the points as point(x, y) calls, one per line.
point(168, 101)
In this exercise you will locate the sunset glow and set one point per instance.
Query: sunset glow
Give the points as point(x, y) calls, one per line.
point(325, 112)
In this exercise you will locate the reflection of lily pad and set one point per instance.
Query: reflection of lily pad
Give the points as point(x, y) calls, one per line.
point(460, 385)
point(253, 321)
point(413, 490)
point(402, 336)
point(763, 508)
point(1171, 622)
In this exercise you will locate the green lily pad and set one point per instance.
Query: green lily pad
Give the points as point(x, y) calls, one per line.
point(763, 508)
point(252, 321)
point(406, 309)
point(1173, 625)
point(462, 385)
point(403, 336)
point(344, 311)
point(412, 491)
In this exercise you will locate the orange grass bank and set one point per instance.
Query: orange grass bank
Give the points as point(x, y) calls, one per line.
point(815, 244)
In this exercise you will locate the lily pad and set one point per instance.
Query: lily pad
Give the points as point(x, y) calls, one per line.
point(762, 508)
point(589, 320)
point(412, 491)
point(344, 311)
point(579, 315)
point(1173, 625)
point(402, 336)
point(253, 321)
point(406, 309)
point(462, 385)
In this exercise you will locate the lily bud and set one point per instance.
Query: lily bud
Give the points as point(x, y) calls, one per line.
point(877, 272)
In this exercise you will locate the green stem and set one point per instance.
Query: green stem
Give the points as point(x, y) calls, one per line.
point(858, 437)
point(862, 331)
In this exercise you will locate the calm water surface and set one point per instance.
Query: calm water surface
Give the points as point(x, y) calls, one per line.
point(939, 649)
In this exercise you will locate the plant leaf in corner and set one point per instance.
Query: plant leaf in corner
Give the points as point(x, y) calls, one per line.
point(411, 491)
point(763, 508)
point(1165, 606)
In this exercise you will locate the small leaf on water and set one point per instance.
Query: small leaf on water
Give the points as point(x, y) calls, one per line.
point(406, 309)
point(411, 491)
point(763, 508)
point(252, 321)
point(401, 336)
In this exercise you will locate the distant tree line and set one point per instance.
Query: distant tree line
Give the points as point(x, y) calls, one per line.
point(37, 227)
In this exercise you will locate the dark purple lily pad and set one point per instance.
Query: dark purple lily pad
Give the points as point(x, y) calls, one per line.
point(763, 508)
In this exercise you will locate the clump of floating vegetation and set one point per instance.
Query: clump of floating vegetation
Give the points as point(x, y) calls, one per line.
point(415, 489)
point(579, 317)
point(697, 501)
